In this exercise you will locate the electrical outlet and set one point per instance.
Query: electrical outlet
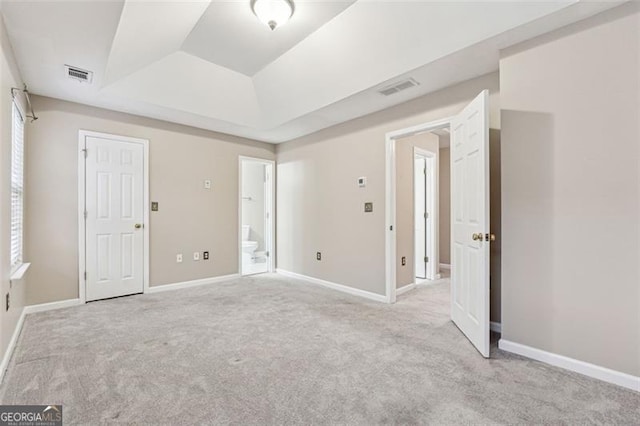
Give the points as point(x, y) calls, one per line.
point(404, 261)
point(179, 258)
point(196, 256)
point(318, 256)
point(205, 255)
point(7, 305)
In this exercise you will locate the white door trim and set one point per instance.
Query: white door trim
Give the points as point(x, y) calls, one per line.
point(82, 135)
point(272, 246)
point(433, 206)
point(390, 197)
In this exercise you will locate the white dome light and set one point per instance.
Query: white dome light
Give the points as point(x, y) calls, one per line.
point(274, 13)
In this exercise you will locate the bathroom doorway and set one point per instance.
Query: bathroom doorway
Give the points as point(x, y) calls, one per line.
point(256, 198)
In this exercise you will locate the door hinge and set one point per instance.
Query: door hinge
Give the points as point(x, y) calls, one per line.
point(424, 171)
point(85, 152)
point(426, 259)
point(85, 275)
point(426, 215)
point(266, 253)
point(86, 214)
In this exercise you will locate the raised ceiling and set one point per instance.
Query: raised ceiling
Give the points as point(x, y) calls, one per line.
point(213, 65)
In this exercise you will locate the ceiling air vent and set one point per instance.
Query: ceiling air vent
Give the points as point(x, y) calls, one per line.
point(398, 87)
point(78, 74)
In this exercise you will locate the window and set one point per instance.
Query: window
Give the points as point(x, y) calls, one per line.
point(17, 187)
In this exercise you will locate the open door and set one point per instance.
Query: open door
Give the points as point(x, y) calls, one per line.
point(470, 222)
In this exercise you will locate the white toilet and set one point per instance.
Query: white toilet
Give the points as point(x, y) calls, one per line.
point(248, 247)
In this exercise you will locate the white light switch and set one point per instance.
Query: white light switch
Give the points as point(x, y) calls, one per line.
point(207, 184)
point(362, 182)
point(179, 258)
point(196, 255)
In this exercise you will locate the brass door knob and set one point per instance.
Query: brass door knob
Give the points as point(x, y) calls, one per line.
point(138, 225)
point(490, 237)
point(477, 237)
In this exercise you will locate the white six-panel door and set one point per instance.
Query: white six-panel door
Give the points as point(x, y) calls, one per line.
point(470, 222)
point(114, 204)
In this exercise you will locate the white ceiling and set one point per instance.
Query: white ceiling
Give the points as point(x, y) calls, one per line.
point(213, 65)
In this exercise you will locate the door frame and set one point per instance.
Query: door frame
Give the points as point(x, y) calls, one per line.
point(390, 196)
point(82, 250)
point(433, 205)
point(270, 199)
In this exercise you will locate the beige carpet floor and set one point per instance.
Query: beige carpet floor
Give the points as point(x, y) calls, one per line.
point(272, 350)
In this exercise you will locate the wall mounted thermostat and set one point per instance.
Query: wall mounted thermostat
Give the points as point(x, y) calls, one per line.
point(362, 182)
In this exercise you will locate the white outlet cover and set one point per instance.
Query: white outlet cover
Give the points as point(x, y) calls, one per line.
point(207, 184)
point(179, 258)
point(196, 255)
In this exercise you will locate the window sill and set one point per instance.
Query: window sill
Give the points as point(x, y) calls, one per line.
point(19, 273)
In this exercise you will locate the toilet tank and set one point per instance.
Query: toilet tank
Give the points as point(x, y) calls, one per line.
point(246, 230)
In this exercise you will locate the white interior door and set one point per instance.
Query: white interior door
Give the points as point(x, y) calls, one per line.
point(420, 207)
point(470, 222)
point(114, 204)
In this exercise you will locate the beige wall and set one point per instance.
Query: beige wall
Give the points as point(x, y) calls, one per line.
point(320, 207)
point(445, 206)
point(571, 191)
point(189, 219)
point(9, 77)
point(405, 227)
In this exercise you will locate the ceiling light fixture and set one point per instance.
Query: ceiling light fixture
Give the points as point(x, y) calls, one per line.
point(274, 13)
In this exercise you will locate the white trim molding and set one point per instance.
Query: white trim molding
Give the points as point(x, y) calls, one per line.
point(405, 289)
point(495, 326)
point(193, 283)
point(597, 372)
point(12, 345)
point(339, 287)
point(61, 304)
point(445, 266)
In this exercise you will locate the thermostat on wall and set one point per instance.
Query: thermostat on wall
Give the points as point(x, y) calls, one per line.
point(362, 182)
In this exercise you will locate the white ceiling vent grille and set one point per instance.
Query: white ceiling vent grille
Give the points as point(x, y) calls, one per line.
point(78, 74)
point(398, 87)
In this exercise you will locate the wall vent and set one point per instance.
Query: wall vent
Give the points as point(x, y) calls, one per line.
point(398, 87)
point(79, 74)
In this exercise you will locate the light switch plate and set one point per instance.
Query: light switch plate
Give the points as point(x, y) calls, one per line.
point(154, 206)
point(368, 207)
point(179, 258)
point(362, 182)
point(207, 184)
point(196, 255)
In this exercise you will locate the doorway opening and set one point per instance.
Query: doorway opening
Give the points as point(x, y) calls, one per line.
point(470, 236)
point(256, 198)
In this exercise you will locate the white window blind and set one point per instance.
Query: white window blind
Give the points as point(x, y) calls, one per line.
point(17, 187)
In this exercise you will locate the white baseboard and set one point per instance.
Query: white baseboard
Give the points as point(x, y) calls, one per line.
point(193, 283)
point(405, 289)
point(445, 266)
point(12, 345)
point(597, 372)
point(32, 309)
point(495, 326)
point(343, 288)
